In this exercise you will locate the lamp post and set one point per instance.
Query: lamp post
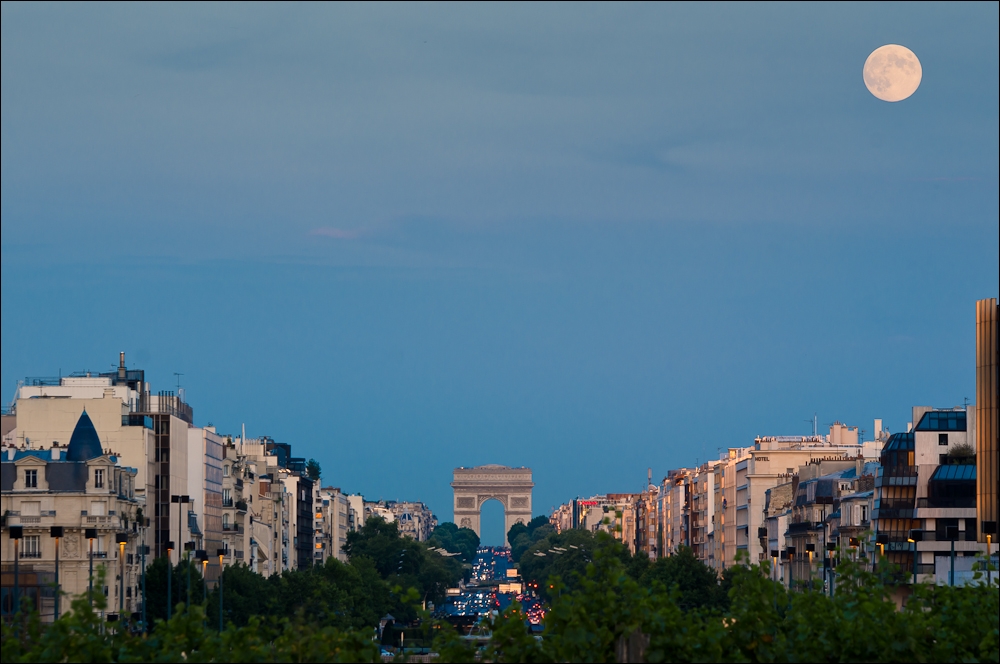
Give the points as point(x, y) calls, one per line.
point(177, 500)
point(56, 533)
point(121, 539)
point(881, 540)
point(170, 576)
point(16, 533)
point(831, 548)
point(915, 536)
point(202, 556)
point(145, 525)
point(91, 535)
point(188, 550)
point(222, 554)
point(989, 529)
point(810, 549)
point(951, 533)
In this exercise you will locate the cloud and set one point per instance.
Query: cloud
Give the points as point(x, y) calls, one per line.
point(335, 233)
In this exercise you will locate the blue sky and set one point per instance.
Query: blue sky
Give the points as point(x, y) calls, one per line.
point(587, 239)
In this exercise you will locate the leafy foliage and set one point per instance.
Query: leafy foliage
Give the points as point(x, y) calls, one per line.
point(602, 614)
point(313, 470)
point(522, 536)
point(697, 584)
point(401, 561)
point(453, 539)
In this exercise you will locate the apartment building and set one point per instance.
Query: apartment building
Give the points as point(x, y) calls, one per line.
point(82, 499)
point(925, 493)
point(744, 475)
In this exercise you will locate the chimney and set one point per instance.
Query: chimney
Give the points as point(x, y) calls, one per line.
point(121, 365)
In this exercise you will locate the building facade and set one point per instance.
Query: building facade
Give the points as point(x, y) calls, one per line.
point(83, 500)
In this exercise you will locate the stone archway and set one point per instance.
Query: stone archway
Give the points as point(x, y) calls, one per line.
point(474, 486)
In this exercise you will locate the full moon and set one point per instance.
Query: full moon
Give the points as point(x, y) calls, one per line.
point(892, 72)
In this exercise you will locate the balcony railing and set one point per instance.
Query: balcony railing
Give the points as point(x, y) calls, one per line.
point(947, 503)
point(31, 554)
point(101, 520)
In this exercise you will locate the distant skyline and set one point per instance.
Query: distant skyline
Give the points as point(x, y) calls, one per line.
point(588, 239)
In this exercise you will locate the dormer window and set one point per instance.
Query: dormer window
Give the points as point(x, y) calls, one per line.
point(99, 478)
point(31, 479)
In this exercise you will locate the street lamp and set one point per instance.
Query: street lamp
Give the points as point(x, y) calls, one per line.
point(831, 548)
point(16, 533)
point(56, 533)
point(881, 540)
point(91, 535)
point(144, 551)
point(989, 529)
point(121, 539)
point(222, 554)
point(202, 555)
point(179, 500)
point(951, 533)
point(811, 549)
point(915, 536)
point(170, 575)
point(188, 550)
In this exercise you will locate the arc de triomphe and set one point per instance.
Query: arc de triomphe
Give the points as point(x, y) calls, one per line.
point(474, 486)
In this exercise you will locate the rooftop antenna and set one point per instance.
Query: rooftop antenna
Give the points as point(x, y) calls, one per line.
point(813, 421)
point(178, 380)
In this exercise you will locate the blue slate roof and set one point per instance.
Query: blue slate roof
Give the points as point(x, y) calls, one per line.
point(84, 444)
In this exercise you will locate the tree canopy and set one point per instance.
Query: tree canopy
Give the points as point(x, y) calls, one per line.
point(402, 561)
point(521, 536)
point(453, 539)
point(605, 615)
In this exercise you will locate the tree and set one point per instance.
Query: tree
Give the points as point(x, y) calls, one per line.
point(156, 587)
point(402, 562)
point(697, 584)
point(313, 471)
point(521, 536)
point(453, 539)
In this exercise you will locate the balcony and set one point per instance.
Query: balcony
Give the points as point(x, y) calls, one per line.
point(947, 503)
point(30, 554)
point(227, 502)
point(101, 520)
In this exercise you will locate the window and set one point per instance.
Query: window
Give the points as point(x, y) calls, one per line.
point(31, 479)
point(99, 478)
point(225, 471)
point(227, 497)
point(225, 521)
point(31, 547)
point(942, 439)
